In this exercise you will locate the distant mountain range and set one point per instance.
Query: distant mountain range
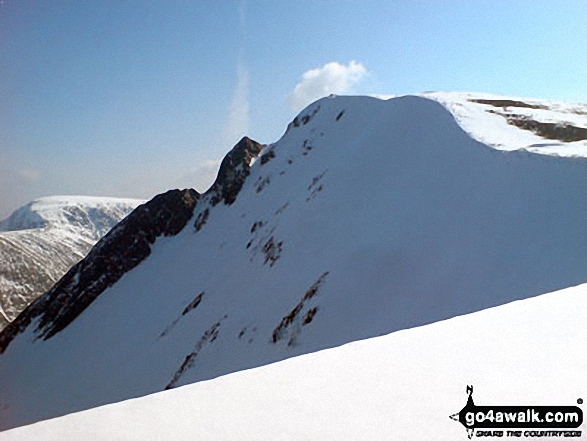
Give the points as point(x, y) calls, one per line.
point(369, 216)
point(42, 240)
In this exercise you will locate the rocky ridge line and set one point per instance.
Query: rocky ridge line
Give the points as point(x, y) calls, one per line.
point(127, 245)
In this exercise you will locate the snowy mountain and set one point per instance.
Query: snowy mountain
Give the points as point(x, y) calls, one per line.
point(399, 386)
point(367, 217)
point(42, 240)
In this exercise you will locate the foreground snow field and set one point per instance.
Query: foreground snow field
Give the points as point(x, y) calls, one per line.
point(366, 218)
point(401, 386)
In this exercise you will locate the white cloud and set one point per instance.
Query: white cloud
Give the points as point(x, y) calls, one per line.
point(333, 77)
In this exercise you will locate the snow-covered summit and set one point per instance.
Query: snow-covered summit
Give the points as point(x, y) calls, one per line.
point(40, 241)
point(367, 217)
point(545, 127)
point(91, 214)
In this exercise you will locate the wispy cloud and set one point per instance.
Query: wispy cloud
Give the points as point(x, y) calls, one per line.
point(242, 17)
point(333, 77)
point(237, 124)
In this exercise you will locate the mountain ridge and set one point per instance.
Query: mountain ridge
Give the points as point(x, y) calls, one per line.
point(127, 245)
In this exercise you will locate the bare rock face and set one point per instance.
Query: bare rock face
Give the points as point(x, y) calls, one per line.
point(233, 172)
point(122, 249)
point(234, 169)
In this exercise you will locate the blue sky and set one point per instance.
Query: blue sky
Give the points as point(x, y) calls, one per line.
point(131, 98)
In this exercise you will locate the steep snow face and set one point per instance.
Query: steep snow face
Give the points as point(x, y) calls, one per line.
point(42, 240)
point(400, 386)
point(367, 217)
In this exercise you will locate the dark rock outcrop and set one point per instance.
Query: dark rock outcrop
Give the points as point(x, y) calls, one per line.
point(508, 103)
point(122, 249)
point(554, 131)
point(234, 169)
point(564, 132)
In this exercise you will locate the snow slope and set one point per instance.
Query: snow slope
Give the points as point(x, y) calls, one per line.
point(366, 218)
point(42, 240)
point(401, 386)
